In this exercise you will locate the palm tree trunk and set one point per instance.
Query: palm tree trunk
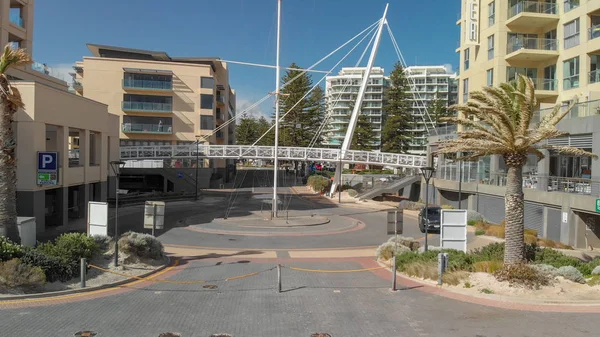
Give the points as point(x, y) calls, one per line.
point(514, 251)
point(8, 170)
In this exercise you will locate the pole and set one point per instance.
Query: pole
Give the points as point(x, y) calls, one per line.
point(117, 223)
point(395, 250)
point(426, 211)
point(196, 181)
point(459, 182)
point(154, 220)
point(340, 179)
point(82, 272)
point(277, 87)
point(440, 268)
point(278, 278)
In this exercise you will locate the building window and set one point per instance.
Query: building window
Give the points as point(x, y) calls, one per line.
point(571, 34)
point(490, 77)
point(571, 4)
point(206, 122)
point(491, 13)
point(571, 73)
point(465, 90)
point(207, 82)
point(467, 55)
point(595, 68)
point(490, 47)
point(206, 101)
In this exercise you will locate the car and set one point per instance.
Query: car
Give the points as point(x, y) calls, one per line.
point(434, 216)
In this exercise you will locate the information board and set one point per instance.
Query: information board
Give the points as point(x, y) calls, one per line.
point(453, 232)
point(97, 222)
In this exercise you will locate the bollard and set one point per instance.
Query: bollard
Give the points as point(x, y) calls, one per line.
point(440, 268)
point(278, 278)
point(446, 260)
point(394, 275)
point(82, 272)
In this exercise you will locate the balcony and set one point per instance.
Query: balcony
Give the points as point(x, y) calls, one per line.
point(147, 85)
point(220, 100)
point(545, 88)
point(594, 38)
point(583, 109)
point(531, 49)
point(147, 128)
point(77, 86)
point(17, 20)
point(148, 107)
point(532, 15)
point(594, 76)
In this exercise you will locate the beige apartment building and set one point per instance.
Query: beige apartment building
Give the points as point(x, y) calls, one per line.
point(557, 44)
point(77, 137)
point(161, 100)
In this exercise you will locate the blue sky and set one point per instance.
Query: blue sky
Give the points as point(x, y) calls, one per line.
point(244, 30)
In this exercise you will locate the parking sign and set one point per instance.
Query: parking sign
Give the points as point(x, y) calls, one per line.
point(47, 170)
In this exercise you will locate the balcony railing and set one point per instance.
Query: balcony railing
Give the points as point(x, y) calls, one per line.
point(594, 76)
point(444, 130)
point(146, 106)
point(545, 84)
point(77, 85)
point(221, 99)
point(147, 84)
point(533, 43)
point(17, 20)
point(532, 7)
point(594, 32)
point(147, 128)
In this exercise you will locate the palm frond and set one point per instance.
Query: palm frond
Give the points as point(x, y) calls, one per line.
point(572, 151)
point(537, 152)
point(13, 58)
point(560, 115)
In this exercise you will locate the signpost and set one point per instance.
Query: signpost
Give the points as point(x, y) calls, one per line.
point(154, 215)
point(47, 168)
point(453, 232)
point(395, 224)
point(97, 221)
point(597, 205)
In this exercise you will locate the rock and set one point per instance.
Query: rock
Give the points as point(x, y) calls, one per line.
point(596, 271)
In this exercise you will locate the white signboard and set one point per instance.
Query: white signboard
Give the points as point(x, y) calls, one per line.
point(154, 214)
point(97, 221)
point(453, 232)
point(472, 27)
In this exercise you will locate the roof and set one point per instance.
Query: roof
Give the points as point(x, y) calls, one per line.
point(99, 50)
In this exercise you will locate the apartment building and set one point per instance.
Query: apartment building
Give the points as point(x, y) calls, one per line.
point(557, 44)
point(76, 136)
point(341, 91)
point(428, 84)
point(161, 100)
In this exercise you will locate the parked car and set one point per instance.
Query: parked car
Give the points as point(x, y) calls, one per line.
point(434, 216)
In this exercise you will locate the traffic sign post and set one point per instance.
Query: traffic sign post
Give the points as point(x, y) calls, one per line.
point(47, 168)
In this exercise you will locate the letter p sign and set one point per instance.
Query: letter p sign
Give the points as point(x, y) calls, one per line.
point(47, 161)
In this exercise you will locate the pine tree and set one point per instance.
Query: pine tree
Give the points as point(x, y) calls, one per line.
point(363, 136)
point(437, 109)
point(246, 133)
point(262, 126)
point(395, 136)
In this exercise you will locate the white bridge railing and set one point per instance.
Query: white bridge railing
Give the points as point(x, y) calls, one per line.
point(266, 152)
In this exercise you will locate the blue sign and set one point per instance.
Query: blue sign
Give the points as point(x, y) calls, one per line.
point(47, 161)
point(179, 175)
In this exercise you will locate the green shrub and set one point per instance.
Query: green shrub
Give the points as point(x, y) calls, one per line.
point(530, 239)
point(71, 246)
point(471, 222)
point(491, 252)
point(352, 193)
point(407, 241)
point(522, 274)
point(141, 246)
point(9, 250)
point(556, 258)
point(595, 268)
point(54, 267)
point(571, 273)
point(318, 183)
point(479, 232)
point(594, 281)
point(103, 242)
point(457, 260)
point(388, 249)
point(13, 274)
point(545, 268)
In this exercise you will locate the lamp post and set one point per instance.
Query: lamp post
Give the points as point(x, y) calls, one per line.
point(427, 174)
point(340, 179)
point(460, 168)
point(116, 167)
point(197, 161)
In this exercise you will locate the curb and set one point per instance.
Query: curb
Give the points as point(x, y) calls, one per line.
point(86, 289)
point(500, 299)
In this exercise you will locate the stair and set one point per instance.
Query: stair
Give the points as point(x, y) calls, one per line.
point(389, 187)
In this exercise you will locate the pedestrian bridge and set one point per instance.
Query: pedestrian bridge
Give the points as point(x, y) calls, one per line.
point(267, 152)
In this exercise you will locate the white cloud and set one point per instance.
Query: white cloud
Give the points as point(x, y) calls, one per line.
point(449, 68)
point(256, 112)
point(61, 71)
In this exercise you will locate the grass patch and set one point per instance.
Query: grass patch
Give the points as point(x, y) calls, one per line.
point(495, 230)
point(426, 270)
point(479, 231)
point(489, 267)
point(486, 291)
point(594, 281)
point(468, 285)
point(454, 278)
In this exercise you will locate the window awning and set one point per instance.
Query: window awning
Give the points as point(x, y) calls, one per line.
point(148, 71)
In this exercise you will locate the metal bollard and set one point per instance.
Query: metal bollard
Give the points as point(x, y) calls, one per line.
point(278, 278)
point(446, 258)
point(440, 268)
point(82, 272)
point(394, 275)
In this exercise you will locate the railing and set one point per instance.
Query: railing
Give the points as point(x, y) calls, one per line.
point(266, 152)
point(594, 32)
point(569, 5)
point(129, 83)
point(549, 183)
point(571, 82)
point(532, 43)
point(583, 109)
point(594, 76)
point(532, 7)
point(147, 128)
point(77, 85)
point(444, 130)
point(147, 106)
point(44, 69)
point(17, 20)
point(220, 99)
point(545, 84)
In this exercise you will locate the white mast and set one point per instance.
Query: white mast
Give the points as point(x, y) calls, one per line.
point(359, 99)
point(277, 87)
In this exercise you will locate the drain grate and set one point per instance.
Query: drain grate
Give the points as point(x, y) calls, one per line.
point(221, 335)
point(210, 286)
point(320, 334)
point(85, 333)
point(170, 334)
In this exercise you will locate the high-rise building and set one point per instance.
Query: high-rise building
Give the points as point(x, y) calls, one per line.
point(341, 92)
point(427, 84)
point(161, 100)
point(557, 45)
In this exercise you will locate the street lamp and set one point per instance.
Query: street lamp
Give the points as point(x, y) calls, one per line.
point(427, 173)
point(116, 167)
point(197, 161)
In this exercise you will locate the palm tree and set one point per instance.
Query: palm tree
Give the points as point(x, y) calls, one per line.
point(497, 121)
point(10, 102)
